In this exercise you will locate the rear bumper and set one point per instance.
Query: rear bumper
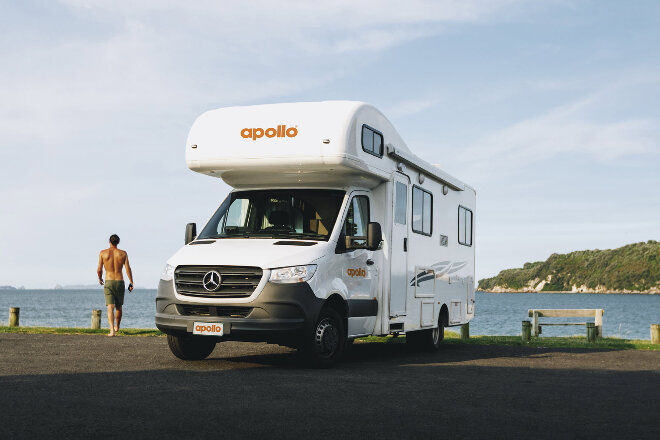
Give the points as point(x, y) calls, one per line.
point(281, 313)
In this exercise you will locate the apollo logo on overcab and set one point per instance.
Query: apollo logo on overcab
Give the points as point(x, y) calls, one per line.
point(280, 132)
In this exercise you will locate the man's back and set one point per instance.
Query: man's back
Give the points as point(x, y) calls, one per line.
point(113, 262)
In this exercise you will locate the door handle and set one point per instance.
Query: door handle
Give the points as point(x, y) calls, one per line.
point(405, 244)
point(370, 262)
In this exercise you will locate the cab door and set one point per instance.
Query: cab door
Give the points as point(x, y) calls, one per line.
point(359, 271)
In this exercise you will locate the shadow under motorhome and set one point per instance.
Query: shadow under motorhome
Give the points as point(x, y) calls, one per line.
point(334, 230)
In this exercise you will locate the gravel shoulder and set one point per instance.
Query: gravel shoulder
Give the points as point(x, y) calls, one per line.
point(82, 385)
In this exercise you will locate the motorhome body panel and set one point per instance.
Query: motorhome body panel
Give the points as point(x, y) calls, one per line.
point(406, 285)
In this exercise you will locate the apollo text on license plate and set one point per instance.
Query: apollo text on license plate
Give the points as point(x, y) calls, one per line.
point(208, 328)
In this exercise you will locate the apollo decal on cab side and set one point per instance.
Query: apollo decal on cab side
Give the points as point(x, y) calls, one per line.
point(280, 132)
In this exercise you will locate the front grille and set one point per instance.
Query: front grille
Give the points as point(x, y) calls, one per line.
point(224, 311)
point(235, 281)
point(195, 310)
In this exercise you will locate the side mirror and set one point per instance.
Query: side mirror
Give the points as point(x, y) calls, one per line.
point(374, 236)
point(191, 232)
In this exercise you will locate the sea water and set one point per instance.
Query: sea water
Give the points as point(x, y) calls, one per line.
point(626, 316)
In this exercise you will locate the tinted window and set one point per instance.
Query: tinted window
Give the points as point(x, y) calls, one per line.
point(464, 226)
point(372, 141)
point(400, 203)
point(422, 211)
point(378, 144)
point(367, 140)
point(426, 218)
point(357, 221)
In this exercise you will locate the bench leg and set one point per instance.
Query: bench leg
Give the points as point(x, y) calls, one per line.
point(598, 320)
point(535, 324)
point(591, 332)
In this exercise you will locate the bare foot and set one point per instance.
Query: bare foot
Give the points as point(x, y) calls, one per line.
point(111, 334)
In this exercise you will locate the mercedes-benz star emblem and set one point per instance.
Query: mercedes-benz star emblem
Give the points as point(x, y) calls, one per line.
point(211, 281)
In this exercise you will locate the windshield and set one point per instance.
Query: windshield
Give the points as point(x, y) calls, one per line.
point(294, 213)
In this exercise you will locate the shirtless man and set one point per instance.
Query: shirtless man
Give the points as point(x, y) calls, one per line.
point(113, 259)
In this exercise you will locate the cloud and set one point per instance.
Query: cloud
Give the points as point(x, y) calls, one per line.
point(97, 64)
point(569, 128)
point(411, 106)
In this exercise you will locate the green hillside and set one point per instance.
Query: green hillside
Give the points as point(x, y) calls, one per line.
point(631, 268)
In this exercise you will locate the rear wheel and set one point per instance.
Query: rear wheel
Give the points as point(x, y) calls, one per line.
point(328, 340)
point(430, 339)
point(189, 348)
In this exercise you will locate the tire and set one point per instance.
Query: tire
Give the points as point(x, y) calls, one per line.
point(191, 348)
point(436, 336)
point(327, 341)
point(429, 340)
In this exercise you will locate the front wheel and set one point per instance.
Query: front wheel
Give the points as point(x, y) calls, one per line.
point(190, 348)
point(326, 345)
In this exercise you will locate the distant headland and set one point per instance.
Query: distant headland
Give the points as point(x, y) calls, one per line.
point(634, 268)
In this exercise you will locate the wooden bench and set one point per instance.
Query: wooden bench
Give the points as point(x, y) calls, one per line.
point(535, 314)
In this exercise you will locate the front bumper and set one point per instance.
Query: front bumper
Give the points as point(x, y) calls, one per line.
point(281, 313)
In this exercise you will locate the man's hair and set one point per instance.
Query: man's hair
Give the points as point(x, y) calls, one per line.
point(114, 239)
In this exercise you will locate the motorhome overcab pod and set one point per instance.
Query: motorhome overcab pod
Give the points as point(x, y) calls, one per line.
point(334, 230)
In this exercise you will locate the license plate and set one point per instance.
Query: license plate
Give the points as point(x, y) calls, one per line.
point(208, 328)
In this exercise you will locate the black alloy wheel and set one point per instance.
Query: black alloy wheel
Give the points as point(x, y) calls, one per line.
point(328, 339)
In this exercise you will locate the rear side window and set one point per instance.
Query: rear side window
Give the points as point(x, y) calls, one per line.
point(422, 211)
point(464, 226)
point(372, 141)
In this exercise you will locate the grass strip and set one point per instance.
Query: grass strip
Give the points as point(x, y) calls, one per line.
point(556, 342)
point(79, 331)
point(450, 338)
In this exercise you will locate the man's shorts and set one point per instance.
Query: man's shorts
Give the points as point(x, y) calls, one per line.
point(114, 292)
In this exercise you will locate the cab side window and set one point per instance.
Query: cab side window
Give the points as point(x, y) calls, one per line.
point(357, 220)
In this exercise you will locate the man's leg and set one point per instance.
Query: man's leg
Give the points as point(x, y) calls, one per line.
point(111, 319)
point(118, 317)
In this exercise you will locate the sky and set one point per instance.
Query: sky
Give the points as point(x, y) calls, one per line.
point(549, 109)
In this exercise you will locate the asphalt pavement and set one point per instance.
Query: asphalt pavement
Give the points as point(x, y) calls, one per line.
point(75, 386)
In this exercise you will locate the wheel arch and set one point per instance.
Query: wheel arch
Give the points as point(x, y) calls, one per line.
point(444, 315)
point(337, 302)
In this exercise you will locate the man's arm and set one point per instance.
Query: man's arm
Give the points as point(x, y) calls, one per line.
point(129, 274)
point(99, 271)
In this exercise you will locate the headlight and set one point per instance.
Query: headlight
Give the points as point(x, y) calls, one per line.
point(293, 274)
point(168, 273)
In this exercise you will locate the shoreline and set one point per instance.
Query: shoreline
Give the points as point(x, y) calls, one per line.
point(569, 292)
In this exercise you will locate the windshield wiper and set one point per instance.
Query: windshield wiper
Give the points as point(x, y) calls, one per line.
point(308, 235)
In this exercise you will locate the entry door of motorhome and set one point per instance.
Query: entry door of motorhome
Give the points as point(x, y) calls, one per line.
point(399, 246)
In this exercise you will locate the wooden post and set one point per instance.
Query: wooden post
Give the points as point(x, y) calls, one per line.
point(14, 314)
point(526, 331)
point(598, 320)
point(591, 332)
point(655, 333)
point(465, 331)
point(535, 323)
point(96, 318)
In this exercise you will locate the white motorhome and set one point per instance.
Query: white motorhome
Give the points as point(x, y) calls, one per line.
point(334, 230)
